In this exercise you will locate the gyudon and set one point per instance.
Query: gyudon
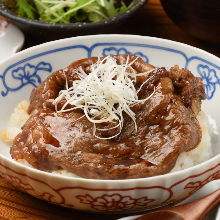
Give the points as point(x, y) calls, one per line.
point(114, 117)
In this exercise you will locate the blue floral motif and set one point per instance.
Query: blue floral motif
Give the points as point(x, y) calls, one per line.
point(23, 72)
point(24, 75)
point(116, 51)
point(210, 79)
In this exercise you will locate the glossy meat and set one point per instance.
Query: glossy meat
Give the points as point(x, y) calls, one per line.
point(167, 126)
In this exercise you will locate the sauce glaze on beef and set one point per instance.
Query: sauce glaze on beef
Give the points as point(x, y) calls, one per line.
point(166, 123)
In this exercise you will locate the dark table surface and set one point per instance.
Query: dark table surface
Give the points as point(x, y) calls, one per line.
point(150, 21)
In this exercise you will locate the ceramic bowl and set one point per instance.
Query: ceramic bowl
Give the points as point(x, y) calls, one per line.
point(201, 19)
point(46, 31)
point(20, 73)
point(11, 39)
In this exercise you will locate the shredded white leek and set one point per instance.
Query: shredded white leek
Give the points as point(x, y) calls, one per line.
point(104, 94)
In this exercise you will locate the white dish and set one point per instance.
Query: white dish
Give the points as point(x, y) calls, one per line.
point(11, 39)
point(26, 69)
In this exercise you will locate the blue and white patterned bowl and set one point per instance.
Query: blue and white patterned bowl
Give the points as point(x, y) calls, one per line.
point(25, 70)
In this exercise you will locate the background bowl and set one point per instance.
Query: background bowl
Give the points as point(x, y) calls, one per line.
point(48, 31)
point(20, 73)
point(11, 39)
point(199, 18)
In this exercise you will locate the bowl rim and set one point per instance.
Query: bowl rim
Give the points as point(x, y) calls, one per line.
point(58, 43)
point(135, 5)
point(175, 174)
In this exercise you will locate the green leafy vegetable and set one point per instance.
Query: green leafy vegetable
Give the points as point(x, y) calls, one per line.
point(67, 11)
point(25, 9)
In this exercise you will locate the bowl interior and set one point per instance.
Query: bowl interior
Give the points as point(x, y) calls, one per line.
point(22, 72)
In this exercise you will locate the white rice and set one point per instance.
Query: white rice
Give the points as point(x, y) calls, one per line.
point(17, 119)
point(202, 152)
point(186, 159)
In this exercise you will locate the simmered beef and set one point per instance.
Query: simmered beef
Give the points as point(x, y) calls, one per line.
point(166, 126)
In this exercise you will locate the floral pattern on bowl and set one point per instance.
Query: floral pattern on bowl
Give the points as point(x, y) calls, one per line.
point(22, 72)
